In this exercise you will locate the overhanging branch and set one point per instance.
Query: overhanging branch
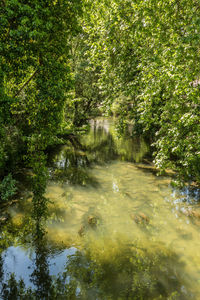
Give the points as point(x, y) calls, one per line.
point(26, 83)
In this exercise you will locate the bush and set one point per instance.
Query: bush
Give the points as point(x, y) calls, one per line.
point(7, 188)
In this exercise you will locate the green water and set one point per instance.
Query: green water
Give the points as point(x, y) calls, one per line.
point(114, 229)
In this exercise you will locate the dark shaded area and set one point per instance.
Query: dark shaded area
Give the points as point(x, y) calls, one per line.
point(130, 273)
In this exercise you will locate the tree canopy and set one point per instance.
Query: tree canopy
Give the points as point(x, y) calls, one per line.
point(148, 56)
point(63, 62)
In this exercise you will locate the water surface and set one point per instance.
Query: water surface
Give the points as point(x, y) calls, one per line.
point(115, 229)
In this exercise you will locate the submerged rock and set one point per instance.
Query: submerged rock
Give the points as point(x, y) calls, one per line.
point(89, 222)
point(140, 218)
point(81, 231)
point(194, 214)
point(92, 221)
point(191, 213)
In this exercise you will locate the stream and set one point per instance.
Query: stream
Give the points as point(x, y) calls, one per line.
point(115, 229)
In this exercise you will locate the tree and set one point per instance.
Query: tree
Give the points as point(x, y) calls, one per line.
point(35, 78)
point(149, 53)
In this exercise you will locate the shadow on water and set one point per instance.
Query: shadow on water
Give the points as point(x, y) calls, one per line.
point(104, 144)
point(72, 164)
point(127, 272)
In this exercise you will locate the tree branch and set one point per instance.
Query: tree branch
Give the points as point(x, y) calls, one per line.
point(26, 83)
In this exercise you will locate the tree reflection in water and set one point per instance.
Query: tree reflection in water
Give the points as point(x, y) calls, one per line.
point(128, 271)
point(72, 163)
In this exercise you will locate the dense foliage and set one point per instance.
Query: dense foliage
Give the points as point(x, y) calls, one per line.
point(148, 53)
point(35, 79)
point(63, 62)
point(35, 74)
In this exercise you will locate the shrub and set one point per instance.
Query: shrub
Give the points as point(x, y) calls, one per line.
point(7, 188)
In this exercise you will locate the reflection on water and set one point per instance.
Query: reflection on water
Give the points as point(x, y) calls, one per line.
point(115, 230)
